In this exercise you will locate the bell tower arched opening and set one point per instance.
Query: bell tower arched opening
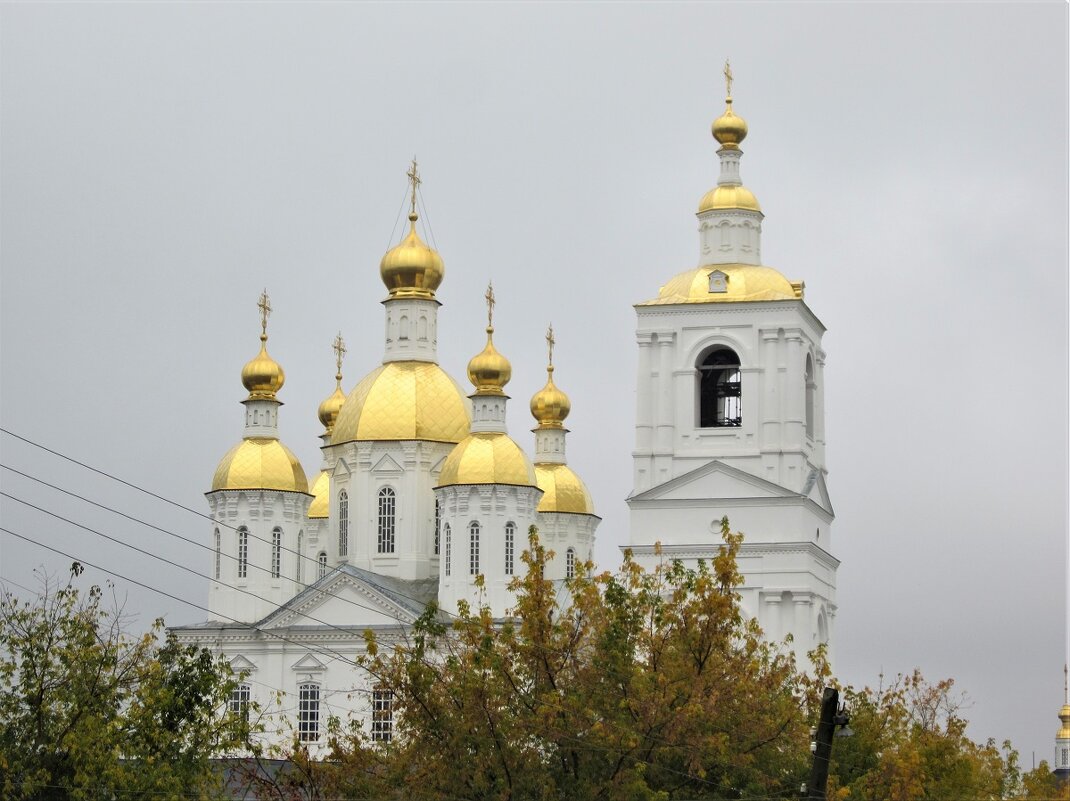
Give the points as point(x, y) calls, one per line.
point(720, 389)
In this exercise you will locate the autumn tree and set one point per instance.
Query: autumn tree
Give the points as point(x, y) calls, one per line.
point(90, 711)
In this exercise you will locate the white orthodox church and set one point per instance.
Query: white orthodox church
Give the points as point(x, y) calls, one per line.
point(422, 490)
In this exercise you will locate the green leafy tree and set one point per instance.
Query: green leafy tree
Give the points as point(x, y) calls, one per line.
point(90, 712)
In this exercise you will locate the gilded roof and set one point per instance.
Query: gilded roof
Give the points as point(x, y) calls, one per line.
point(487, 457)
point(321, 496)
point(260, 463)
point(563, 490)
point(744, 282)
point(404, 400)
point(729, 197)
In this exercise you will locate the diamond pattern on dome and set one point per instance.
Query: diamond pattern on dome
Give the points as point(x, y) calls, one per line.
point(487, 457)
point(260, 463)
point(320, 506)
point(563, 490)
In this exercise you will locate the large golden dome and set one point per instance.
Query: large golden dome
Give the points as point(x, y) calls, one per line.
point(260, 463)
point(563, 490)
point(487, 457)
point(412, 269)
point(321, 497)
point(728, 197)
point(743, 282)
point(404, 400)
point(262, 375)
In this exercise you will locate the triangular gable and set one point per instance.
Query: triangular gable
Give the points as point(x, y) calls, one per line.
point(308, 664)
point(714, 480)
point(817, 490)
point(340, 599)
point(438, 466)
point(341, 468)
point(239, 664)
point(387, 465)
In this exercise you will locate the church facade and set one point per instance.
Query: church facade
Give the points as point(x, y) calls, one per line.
point(422, 495)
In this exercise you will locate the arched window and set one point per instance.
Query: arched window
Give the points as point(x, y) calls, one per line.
point(308, 712)
point(321, 557)
point(720, 390)
point(300, 559)
point(387, 518)
point(510, 547)
point(473, 548)
point(438, 524)
point(218, 553)
point(243, 552)
point(811, 388)
point(570, 564)
point(343, 523)
point(446, 546)
point(276, 552)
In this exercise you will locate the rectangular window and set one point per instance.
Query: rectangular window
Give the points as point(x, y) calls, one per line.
point(276, 553)
point(299, 569)
point(218, 553)
point(322, 559)
point(438, 523)
point(382, 715)
point(510, 538)
point(308, 713)
point(387, 519)
point(343, 524)
point(473, 557)
point(446, 536)
point(243, 553)
point(239, 701)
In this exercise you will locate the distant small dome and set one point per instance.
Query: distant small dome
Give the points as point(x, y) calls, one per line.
point(729, 197)
point(489, 371)
point(331, 406)
point(263, 376)
point(412, 269)
point(487, 457)
point(260, 463)
point(550, 406)
point(729, 129)
point(563, 490)
point(321, 498)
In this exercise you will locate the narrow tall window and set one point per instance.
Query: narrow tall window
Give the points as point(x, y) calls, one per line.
point(387, 517)
point(276, 553)
point(720, 390)
point(322, 559)
point(243, 552)
point(239, 701)
point(473, 546)
point(446, 546)
point(308, 712)
point(811, 389)
point(510, 546)
point(343, 523)
point(218, 553)
point(300, 559)
point(382, 715)
point(438, 524)
point(570, 564)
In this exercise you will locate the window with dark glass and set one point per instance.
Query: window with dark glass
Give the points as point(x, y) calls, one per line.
point(343, 523)
point(446, 546)
point(243, 552)
point(276, 553)
point(473, 553)
point(382, 715)
point(308, 712)
point(720, 390)
point(510, 547)
point(387, 519)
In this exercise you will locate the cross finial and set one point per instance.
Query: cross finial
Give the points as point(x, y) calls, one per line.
point(489, 296)
point(264, 304)
point(728, 78)
point(414, 181)
point(550, 344)
point(339, 348)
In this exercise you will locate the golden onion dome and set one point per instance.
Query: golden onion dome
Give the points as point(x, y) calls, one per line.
point(742, 283)
point(262, 375)
point(331, 406)
point(489, 371)
point(321, 496)
point(550, 406)
point(412, 269)
point(729, 129)
point(260, 463)
point(563, 490)
point(729, 197)
point(404, 401)
point(487, 457)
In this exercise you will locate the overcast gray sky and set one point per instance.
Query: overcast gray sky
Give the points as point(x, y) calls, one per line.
point(161, 163)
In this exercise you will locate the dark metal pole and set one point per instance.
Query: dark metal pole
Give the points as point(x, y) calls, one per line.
point(819, 771)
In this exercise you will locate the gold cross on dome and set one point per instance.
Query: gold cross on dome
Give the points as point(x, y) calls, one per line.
point(339, 348)
point(550, 342)
point(264, 304)
point(489, 296)
point(414, 181)
point(728, 77)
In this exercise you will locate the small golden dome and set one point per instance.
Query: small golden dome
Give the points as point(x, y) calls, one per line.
point(489, 371)
point(487, 457)
point(260, 463)
point(729, 129)
point(729, 197)
point(263, 376)
point(404, 400)
point(412, 269)
point(550, 406)
point(321, 497)
point(563, 490)
point(743, 283)
point(331, 406)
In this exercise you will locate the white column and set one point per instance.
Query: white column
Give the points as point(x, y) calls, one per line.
point(261, 418)
point(550, 445)
point(411, 330)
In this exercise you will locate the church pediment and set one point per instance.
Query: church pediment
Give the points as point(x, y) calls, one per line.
point(239, 664)
point(387, 466)
point(308, 664)
point(341, 469)
point(817, 490)
point(714, 481)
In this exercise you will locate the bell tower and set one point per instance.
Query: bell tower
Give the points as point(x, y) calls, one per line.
point(730, 415)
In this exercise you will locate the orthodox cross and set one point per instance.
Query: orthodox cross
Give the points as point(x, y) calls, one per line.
point(264, 304)
point(339, 348)
point(489, 296)
point(550, 342)
point(728, 77)
point(414, 180)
